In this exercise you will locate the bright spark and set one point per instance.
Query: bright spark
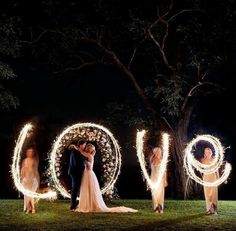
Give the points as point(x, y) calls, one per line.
point(165, 147)
point(15, 167)
point(57, 143)
point(190, 163)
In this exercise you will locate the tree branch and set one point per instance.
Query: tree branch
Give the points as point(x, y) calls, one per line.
point(87, 64)
point(116, 61)
point(170, 8)
point(198, 72)
point(135, 83)
point(163, 55)
point(165, 36)
point(167, 123)
point(37, 39)
point(203, 76)
point(162, 45)
point(125, 70)
point(194, 89)
point(45, 31)
point(132, 58)
point(181, 12)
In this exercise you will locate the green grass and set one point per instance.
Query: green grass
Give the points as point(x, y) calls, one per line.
point(178, 215)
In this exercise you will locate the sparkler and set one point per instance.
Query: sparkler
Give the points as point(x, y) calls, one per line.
point(54, 163)
point(165, 147)
point(191, 164)
point(15, 167)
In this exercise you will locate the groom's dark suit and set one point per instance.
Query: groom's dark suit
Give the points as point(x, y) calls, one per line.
point(76, 168)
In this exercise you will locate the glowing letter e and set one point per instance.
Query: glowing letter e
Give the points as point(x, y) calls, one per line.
point(191, 164)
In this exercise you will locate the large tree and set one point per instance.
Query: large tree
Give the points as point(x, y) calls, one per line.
point(168, 51)
point(9, 48)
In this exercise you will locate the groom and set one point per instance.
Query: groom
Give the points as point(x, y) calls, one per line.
point(75, 171)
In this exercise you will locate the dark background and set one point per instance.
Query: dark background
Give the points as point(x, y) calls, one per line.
point(52, 103)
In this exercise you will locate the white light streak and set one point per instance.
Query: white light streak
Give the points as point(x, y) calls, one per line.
point(165, 147)
point(15, 167)
point(191, 164)
point(53, 155)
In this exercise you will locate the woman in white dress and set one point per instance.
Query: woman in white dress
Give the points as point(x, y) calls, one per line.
point(211, 193)
point(159, 193)
point(29, 176)
point(90, 194)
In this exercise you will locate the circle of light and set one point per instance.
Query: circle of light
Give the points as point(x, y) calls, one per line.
point(190, 163)
point(53, 155)
point(15, 167)
point(165, 147)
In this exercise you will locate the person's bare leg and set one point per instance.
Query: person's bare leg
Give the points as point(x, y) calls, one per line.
point(32, 205)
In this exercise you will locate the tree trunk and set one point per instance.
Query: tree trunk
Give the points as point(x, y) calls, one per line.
point(180, 140)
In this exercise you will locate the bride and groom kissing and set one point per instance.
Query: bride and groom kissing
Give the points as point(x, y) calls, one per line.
point(84, 182)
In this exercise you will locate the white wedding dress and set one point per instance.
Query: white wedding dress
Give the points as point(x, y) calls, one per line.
point(158, 194)
point(90, 194)
point(30, 181)
point(211, 193)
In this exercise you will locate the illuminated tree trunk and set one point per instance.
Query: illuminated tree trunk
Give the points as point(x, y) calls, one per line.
point(182, 186)
point(179, 141)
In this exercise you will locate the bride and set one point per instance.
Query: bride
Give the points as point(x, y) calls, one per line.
point(90, 194)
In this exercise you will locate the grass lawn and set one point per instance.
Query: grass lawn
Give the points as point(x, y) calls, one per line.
point(178, 215)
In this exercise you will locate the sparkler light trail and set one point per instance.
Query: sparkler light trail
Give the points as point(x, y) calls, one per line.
point(165, 147)
point(191, 164)
point(15, 167)
point(72, 130)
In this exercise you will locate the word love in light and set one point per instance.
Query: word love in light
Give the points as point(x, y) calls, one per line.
point(165, 147)
point(15, 167)
point(111, 149)
point(191, 164)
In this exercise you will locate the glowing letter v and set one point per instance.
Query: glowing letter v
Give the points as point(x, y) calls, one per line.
point(165, 147)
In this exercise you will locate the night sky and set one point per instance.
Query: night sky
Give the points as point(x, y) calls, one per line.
point(53, 102)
